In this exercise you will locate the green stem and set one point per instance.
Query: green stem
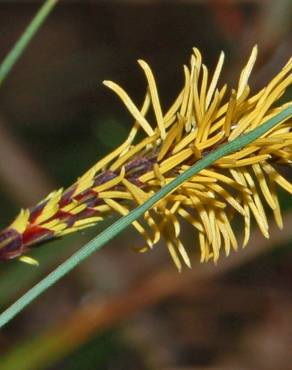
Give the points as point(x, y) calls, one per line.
point(127, 220)
point(17, 50)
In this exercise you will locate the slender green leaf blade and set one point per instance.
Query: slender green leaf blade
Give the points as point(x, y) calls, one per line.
point(21, 44)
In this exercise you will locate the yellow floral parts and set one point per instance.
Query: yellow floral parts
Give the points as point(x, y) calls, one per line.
point(202, 118)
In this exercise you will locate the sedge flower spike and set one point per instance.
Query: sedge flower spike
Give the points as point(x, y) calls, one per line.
point(201, 118)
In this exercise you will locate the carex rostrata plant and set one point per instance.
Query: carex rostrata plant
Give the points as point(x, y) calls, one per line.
point(203, 116)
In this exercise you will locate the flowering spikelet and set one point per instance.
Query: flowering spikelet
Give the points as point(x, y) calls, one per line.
point(201, 118)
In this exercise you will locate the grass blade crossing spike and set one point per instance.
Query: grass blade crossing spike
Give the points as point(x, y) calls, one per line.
point(112, 231)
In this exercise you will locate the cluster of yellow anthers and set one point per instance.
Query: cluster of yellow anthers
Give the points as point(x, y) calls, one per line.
point(201, 118)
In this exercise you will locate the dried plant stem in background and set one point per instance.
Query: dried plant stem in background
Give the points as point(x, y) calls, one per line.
point(202, 118)
point(16, 162)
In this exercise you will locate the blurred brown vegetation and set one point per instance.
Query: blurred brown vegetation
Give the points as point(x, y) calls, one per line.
point(120, 310)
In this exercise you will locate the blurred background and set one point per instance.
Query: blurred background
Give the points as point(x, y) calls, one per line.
point(121, 310)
